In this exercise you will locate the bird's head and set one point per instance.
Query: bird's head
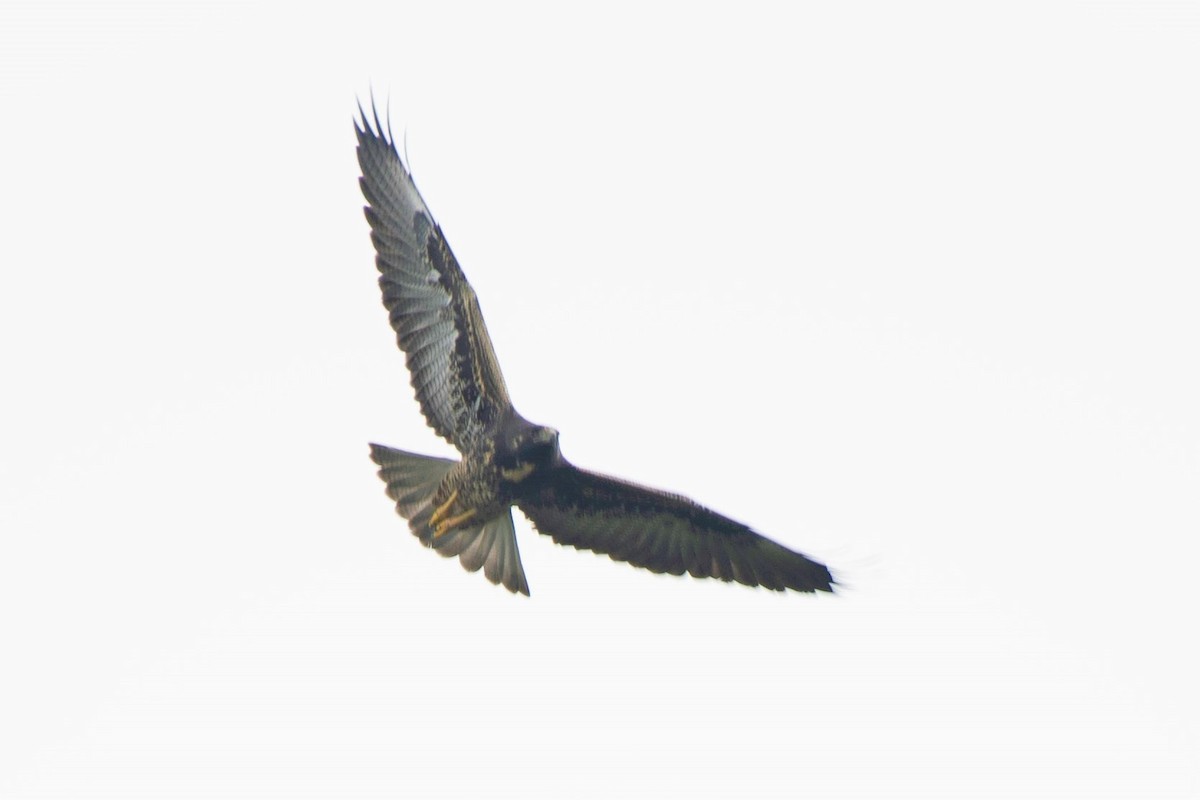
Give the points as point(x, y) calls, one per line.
point(526, 447)
point(538, 445)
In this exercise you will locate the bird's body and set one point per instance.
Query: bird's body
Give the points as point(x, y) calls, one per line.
point(464, 508)
point(512, 456)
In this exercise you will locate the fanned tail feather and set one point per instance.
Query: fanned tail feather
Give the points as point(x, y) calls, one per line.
point(412, 480)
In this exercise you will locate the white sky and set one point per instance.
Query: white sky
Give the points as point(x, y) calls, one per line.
point(909, 287)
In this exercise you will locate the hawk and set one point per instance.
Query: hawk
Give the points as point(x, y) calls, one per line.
point(464, 508)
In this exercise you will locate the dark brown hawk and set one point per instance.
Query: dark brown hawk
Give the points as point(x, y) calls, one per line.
point(463, 508)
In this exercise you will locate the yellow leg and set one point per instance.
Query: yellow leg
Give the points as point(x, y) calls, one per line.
point(442, 510)
point(453, 522)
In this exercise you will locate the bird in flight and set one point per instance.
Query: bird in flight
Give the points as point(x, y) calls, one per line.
point(464, 508)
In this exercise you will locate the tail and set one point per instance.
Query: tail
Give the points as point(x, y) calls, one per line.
point(412, 481)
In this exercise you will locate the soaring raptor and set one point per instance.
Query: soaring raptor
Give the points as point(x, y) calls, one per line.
point(464, 508)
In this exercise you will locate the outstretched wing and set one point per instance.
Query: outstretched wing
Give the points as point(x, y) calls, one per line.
point(431, 306)
point(663, 532)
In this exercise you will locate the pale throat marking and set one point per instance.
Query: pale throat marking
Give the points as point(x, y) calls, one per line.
point(516, 474)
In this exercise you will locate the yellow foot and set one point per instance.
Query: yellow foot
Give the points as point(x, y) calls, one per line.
point(446, 524)
point(441, 510)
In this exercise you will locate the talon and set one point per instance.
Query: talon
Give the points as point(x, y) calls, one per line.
point(441, 510)
point(447, 524)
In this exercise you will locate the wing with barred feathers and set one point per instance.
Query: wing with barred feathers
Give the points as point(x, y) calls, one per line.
point(663, 532)
point(431, 306)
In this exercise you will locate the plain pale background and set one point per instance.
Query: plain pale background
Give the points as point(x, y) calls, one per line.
point(909, 287)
